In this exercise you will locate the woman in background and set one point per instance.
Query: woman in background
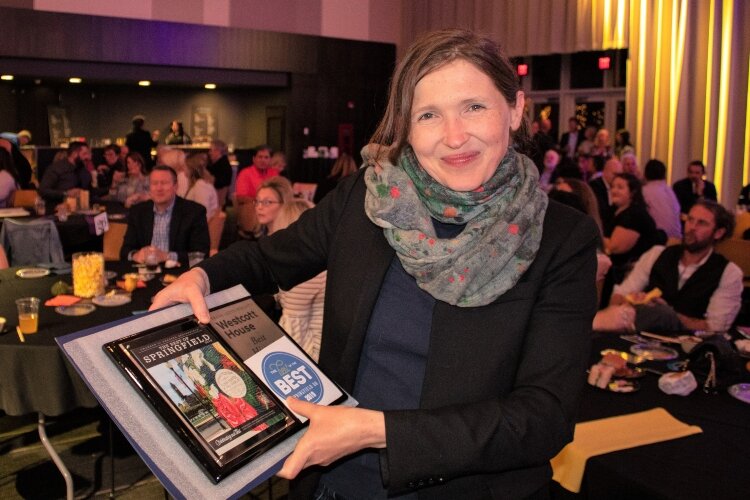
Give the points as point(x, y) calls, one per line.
point(8, 178)
point(301, 306)
point(342, 167)
point(273, 193)
point(633, 230)
point(199, 189)
point(175, 158)
point(130, 188)
point(177, 135)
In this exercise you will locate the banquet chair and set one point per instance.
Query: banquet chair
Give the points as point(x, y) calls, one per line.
point(30, 243)
point(738, 251)
point(247, 219)
point(305, 190)
point(24, 198)
point(112, 241)
point(742, 224)
point(215, 229)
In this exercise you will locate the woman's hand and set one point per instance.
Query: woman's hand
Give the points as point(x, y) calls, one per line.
point(190, 287)
point(334, 432)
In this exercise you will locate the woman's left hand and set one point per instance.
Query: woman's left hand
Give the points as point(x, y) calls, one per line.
point(334, 432)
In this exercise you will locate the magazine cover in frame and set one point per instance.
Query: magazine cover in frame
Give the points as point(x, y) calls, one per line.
point(215, 405)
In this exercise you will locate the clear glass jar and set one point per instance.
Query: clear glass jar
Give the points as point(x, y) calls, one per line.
point(88, 274)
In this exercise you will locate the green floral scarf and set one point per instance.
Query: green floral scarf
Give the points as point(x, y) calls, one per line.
point(503, 220)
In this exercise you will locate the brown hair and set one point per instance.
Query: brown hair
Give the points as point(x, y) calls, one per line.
point(290, 212)
point(722, 217)
point(428, 53)
point(196, 167)
point(343, 166)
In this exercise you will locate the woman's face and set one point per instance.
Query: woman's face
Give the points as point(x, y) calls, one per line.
point(175, 127)
point(267, 205)
point(620, 192)
point(134, 168)
point(460, 125)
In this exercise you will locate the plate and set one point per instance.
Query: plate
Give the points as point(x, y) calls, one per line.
point(115, 300)
point(108, 275)
point(75, 309)
point(32, 272)
point(621, 386)
point(116, 216)
point(654, 352)
point(744, 331)
point(740, 391)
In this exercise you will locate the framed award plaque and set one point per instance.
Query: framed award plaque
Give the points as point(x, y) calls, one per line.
point(221, 387)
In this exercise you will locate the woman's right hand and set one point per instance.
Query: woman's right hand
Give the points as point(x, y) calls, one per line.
point(190, 287)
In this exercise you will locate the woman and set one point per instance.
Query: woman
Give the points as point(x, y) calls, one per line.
point(342, 167)
point(8, 178)
point(177, 135)
point(301, 306)
point(632, 231)
point(199, 189)
point(273, 193)
point(457, 304)
point(133, 187)
point(586, 196)
point(175, 158)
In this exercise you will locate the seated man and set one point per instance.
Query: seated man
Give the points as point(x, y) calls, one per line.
point(68, 176)
point(170, 224)
point(700, 289)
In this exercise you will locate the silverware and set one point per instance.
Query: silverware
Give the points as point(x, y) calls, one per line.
point(20, 334)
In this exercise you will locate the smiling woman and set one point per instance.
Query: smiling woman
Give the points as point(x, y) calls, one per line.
point(458, 302)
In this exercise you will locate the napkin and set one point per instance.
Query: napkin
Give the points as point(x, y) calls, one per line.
point(62, 300)
point(612, 434)
point(140, 284)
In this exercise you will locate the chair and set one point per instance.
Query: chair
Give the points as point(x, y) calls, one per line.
point(247, 219)
point(305, 190)
point(215, 229)
point(25, 198)
point(112, 241)
point(738, 251)
point(31, 243)
point(742, 224)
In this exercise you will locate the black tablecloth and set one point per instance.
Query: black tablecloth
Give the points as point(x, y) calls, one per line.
point(714, 464)
point(35, 376)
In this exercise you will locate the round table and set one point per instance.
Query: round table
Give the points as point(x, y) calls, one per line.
point(34, 375)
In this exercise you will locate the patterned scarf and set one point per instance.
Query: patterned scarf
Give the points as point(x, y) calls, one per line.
point(503, 219)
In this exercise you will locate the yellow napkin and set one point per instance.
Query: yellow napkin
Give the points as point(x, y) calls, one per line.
point(612, 434)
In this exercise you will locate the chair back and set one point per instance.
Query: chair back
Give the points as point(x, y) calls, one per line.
point(112, 241)
point(305, 190)
point(25, 198)
point(31, 243)
point(738, 251)
point(742, 224)
point(215, 230)
point(247, 219)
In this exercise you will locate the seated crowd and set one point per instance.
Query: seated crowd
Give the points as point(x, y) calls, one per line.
point(652, 235)
point(655, 238)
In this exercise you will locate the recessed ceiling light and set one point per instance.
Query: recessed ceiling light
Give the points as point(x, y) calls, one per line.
point(210, 86)
point(75, 79)
point(144, 83)
point(6, 77)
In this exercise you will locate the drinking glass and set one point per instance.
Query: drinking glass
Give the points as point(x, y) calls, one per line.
point(28, 314)
point(195, 257)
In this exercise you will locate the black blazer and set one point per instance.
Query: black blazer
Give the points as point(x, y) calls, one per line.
point(188, 229)
point(502, 382)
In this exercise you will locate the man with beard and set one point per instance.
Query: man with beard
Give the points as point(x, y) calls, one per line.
point(67, 177)
point(700, 289)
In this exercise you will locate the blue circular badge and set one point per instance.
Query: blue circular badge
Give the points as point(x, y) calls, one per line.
point(291, 376)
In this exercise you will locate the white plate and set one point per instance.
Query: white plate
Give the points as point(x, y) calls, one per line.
point(75, 309)
point(32, 272)
point(740, 391)
point(116, 216)
point(117, 299)
point(654, 352)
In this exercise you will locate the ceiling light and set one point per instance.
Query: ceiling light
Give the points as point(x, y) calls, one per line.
point(210, 86)
point(144, 83)
point(6, 77)
point(74, 79)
